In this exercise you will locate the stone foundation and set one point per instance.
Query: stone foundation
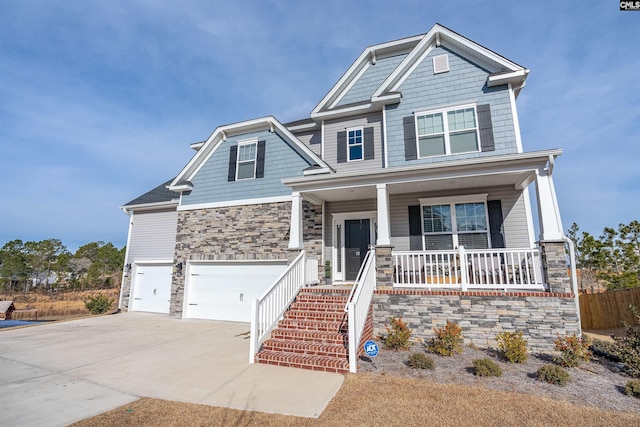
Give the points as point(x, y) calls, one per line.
point(482, 315)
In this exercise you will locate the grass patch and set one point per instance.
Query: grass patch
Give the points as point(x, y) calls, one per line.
point(59, 305)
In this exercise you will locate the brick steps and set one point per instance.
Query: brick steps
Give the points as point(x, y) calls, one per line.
point(313, 333)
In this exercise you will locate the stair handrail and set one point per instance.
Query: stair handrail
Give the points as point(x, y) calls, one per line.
point(270, 307)
point(358, 304)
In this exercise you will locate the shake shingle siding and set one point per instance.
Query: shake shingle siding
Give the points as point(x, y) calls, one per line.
point(464, 83)
point(210, 184)
point(371, 79)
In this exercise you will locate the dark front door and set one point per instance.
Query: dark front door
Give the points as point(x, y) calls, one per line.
point(357, 237)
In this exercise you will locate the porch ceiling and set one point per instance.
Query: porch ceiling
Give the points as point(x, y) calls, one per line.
point(516, 180)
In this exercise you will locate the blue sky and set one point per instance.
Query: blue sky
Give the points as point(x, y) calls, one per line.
point(99, 100)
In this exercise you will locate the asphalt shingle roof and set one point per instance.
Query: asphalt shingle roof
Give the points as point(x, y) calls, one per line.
point(157, 195)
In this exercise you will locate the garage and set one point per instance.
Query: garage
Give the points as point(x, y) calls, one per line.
point(225, 290)
point(152, 287)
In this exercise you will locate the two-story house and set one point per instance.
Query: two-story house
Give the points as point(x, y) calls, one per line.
point(408, 179)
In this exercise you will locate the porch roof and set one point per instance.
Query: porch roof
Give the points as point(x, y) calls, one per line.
point(517, 170)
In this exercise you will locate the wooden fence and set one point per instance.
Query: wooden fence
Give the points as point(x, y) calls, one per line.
point(609, 309)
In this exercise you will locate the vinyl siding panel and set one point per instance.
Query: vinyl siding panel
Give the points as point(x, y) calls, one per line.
point(331, 129)
point(341, 207)
point(464, 83)
point(210, 183)
point(371, 79)
point(153, 235)
point(515, 227)
point(312, 140)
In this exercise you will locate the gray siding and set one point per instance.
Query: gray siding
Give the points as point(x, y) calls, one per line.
point(153, 235)
point(331, 129)
point(515, 227)
point(464, 83)
point(371, 79)
point(312, 140)
point(210, 184)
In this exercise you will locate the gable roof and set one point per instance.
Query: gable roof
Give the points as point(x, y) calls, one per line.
point(182, 181)
point(502, 70)
point(159, 196)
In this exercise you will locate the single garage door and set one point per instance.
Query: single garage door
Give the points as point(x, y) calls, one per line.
point(152, 288)
point(224, 291)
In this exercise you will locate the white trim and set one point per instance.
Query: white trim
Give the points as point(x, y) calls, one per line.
point(253, 141)
point(324, 205)
point(126, 259)
point(355, 129)
point(517, 76)
point(322, 140)
point(332, 114)
point(153, 262)
point(514, 117)
point(303, 127)
point(230, 203)
point(147, 206)
point(385, 139)
point(281, 261)
point(529, 215)
point(399, 70)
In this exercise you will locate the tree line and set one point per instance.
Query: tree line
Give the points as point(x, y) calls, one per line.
point(48, 265)
point(612, 259)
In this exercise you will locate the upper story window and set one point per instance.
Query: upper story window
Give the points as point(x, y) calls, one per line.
point(246, 162)
point(355, 144)
point(449, 131)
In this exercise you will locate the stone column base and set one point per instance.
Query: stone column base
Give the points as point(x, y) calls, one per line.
point(554, 265)
point(384, 266)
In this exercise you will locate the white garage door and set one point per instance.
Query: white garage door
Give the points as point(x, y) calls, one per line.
point(152, 288)
point(224, 291)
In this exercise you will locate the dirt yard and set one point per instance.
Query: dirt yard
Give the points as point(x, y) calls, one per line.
point(55, 306)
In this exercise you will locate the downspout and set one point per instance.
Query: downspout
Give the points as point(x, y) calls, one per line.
point(126, 256)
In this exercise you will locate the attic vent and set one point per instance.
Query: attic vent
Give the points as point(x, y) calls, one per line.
point(440, 64)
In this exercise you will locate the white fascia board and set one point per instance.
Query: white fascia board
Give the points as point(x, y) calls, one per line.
point(337, 91)
point(343, 112)
point(303, 127)
point(506, 163)
point(515, 78)
point(316, 171)
point(149, 206)
point(229, 203)
point(294, 140)
point(390, 98)
point(350, 84)
point(197, 145)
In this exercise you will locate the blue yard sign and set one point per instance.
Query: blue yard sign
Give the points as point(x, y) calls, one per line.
point(371, 348)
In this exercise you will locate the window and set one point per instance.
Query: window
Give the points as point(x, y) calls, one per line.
point(446, 132)
point(354, 144)
point(246, 164)
point(462, 222)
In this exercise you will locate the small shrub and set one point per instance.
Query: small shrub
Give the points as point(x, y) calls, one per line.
point(398, 335)
point(553, 374)
point(627, 348)
point(448, 340)
point(512, 346)
point(98, 304)
point(486, 368)
point(420, 361)
point(632, 388)
point(573, 350)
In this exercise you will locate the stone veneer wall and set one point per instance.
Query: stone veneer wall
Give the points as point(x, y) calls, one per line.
point(482, 315)
point(247, 232)
point(312, 234)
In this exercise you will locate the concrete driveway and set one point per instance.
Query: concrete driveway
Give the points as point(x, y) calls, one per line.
point(58, 373)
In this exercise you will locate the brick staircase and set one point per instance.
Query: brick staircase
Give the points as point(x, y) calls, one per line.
point(313, 333)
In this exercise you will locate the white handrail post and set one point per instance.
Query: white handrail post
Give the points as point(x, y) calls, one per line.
point(353, 364)
point(253, 342)
point(464, 278)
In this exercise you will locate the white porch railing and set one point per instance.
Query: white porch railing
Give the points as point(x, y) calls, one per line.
point(505, 269)
point(311, 271)
point(357, 307)
point(269, 308)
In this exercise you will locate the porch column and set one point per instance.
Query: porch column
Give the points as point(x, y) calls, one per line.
point(384, 225)
point(295, 228)
point(548, 212)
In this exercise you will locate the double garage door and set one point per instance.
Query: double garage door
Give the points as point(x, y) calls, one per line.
point(225, 290)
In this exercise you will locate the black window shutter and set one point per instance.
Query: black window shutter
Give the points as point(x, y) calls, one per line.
point(233, 157)
point(260, 159)
point(410, 150)
point(486, 128)
point(368, 143)
point(342, 147)
point(415, 228)
point(495, 223)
